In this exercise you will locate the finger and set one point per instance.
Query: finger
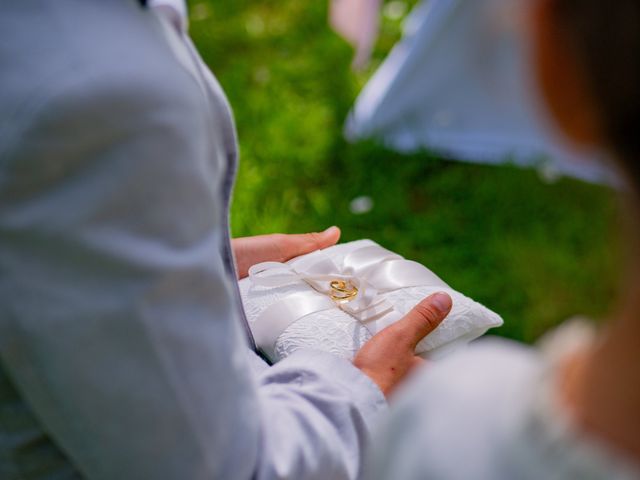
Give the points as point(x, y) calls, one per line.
point(424, 318)
point(299, 244)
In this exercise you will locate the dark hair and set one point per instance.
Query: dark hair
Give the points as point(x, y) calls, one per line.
point(606, 36)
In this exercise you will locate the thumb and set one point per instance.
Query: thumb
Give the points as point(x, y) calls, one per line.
point(302, 243)
point(424, 318)
point(327, 238)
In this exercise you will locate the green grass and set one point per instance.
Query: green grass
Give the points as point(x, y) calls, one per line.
point(534, 252)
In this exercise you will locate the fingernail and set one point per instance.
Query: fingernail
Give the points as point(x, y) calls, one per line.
point(330, 229)
point(441, 301)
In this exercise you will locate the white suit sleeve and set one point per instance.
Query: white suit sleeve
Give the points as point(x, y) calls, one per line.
point(118, 322)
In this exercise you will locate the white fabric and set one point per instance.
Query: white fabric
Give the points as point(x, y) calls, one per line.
point(336, 331)
point(460, 82)
point(174, 10)
point(492, 413)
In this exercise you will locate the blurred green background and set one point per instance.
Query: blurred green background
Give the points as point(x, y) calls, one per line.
point(536, 252)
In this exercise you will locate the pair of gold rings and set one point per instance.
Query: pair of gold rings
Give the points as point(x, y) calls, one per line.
point(342, 291)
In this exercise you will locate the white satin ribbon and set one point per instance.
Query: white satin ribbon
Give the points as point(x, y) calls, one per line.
point(373, 270)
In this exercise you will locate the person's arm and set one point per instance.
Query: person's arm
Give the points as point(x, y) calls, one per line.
point(119, 324)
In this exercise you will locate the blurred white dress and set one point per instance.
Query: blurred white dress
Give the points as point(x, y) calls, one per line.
point(460, 82)
point(491, 413)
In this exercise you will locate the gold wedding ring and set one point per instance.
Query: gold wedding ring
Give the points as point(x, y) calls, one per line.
point(342, 291)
